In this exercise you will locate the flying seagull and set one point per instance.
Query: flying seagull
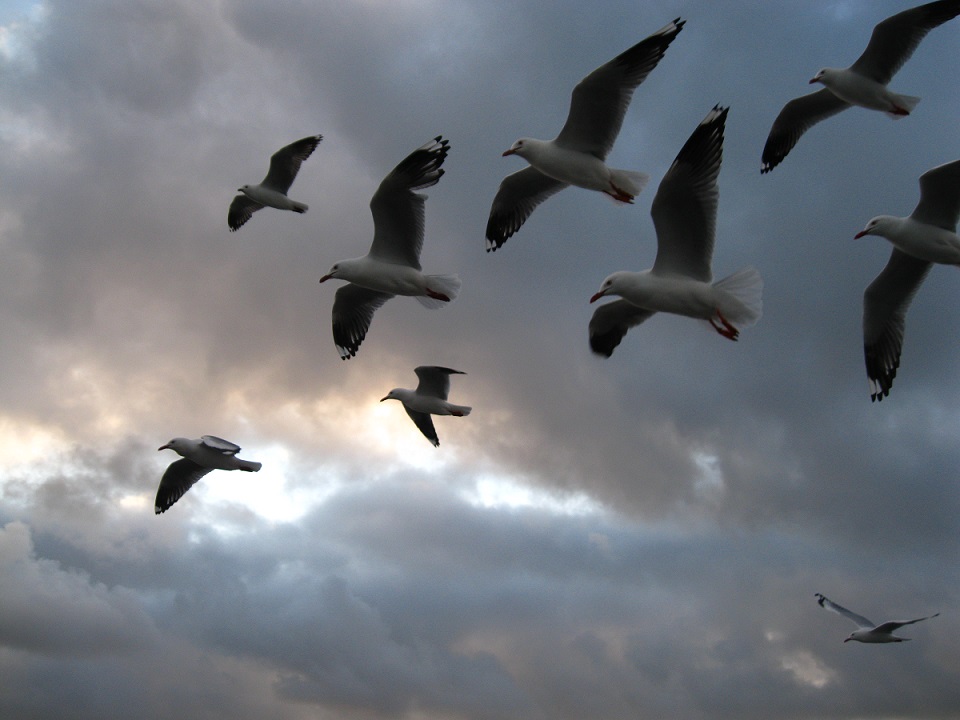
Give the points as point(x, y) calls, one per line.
point(867, 631)
point(272, 192)
point(927, 236)
point(392, 267)
point(864, 83)
point(576, 156)
point(199, 457)
point(685, 216)
point(430, 398)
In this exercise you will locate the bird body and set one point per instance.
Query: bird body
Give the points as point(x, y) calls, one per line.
point(574, 167)
point(857, 89)
point(430, 398)
point(386, 277)
point(928, 236)
point(867, 631)
point(272, 190)
point(577, 155)
point(681, 280)
point(392, 266)
point(921, 240)
point(199, 457)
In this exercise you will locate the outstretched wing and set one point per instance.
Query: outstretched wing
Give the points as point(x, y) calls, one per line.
point(610, 323)
point(518, 196)
point(889, 627)
point(435, 380)
point(353, 309)
point(797, 116)
point(224, 446)
point(860, 620)
point(241, 209)
point(179, 477)
point(425, 422)
point(398, 211)
point(285, 163)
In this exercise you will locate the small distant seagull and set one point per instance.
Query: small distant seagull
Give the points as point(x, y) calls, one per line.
point(392, 267)
point(869, 632)
point(430, 398)
point(577, 155)
point(927, 236)
point(864, 83)
point(272, 192)
point(685, 217)
point(199, 457)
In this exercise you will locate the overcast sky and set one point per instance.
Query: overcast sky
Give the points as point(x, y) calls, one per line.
point(633, 537)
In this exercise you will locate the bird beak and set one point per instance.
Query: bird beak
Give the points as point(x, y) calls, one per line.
point(511, 151)
point(164, 447)
point(846, 639)
point(813, 80)
point(325, 278)
point(384, 398)
point(860, 234)
point(597, 296)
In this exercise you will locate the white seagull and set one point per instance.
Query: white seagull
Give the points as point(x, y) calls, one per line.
point(272, 192)
point(199, 457)
point(430, 398)
point(868, 631)
point(576, 156)
point(685, 216)
point(927, 236)
point(864, 83)
point(392, 267)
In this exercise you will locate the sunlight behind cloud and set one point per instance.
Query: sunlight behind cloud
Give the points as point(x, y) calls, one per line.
point(497, 492)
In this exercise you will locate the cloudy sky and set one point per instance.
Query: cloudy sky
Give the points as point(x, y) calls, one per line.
point(638, 537)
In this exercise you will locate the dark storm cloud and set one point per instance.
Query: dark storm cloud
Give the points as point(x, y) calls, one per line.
point(737, 479)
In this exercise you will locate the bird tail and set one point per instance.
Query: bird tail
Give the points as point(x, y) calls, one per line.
point(743, 305)
point(460, 410)
point(628, 182)
point(443, 289)
point(249, 465)
point(299, 207)
point(903, 106)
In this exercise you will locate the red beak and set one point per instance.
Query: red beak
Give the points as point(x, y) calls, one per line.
point(597, 296)
point(511, 151)
point(859, 234)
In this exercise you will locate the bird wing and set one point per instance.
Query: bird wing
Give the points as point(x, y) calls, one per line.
point(224, 446)
point(610, 323)
point(285, 163)
point(860, 620)
point(796, 117)
point(894, 39)
point(685, 208)
point(889, 627)
point(353, 309)
point(940, 197)
point(885, 304)
point(423, 421)
point(179, 477)
point(398, 211)
point(600, 100)
point(435, 380)
point(241, 209)
point(519, 194)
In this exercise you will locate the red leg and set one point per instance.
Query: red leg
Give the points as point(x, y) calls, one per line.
point(619, 195)
point(437, 296)
point(723, 326)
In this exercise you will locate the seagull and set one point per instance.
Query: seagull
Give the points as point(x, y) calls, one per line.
point(576, 156)
point(868, 631)
point(685, 216)
point(199, 457)
point(284, 166)
point(864, 83)
point(430, 398)
point(927, 236)
point(392, 267)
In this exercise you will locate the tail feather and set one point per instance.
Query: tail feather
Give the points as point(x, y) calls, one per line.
point(631, 182)
point(460, 410)
point(250, 466)
point(299, 207)
point(445, 285)
point(904, 106)
point(744, 305)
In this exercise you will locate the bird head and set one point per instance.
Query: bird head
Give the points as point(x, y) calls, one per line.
point(876, 226)
point(818, 78)
point(392, 395)
point(174, 444)
point(334, 273)
point(607, 287)
point(518, 148)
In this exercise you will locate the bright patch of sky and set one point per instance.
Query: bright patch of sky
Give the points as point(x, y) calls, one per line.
point(494, 492)
point(18, 22)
